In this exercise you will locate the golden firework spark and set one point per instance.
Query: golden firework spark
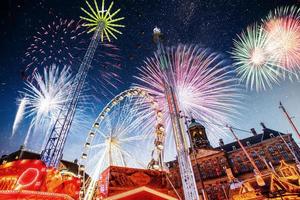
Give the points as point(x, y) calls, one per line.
point(103, 18)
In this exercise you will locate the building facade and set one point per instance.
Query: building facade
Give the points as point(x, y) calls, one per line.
point(212, 165)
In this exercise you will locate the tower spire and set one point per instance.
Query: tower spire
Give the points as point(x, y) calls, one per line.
point(185, 165)
point(102, 24)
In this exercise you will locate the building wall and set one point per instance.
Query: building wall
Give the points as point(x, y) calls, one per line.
point(212, 167)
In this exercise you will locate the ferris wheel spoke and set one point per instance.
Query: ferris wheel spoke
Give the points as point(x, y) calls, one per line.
point(98, 146)
point(122, 158)
point(97, 168)
point(132, 157)
point(134, 138)
point(108, 125)
point(133, 121)
point(142, 144)
point(121, 117)
point(117, 157)
point(101, 133)
point(128, 126)
point(126, 114)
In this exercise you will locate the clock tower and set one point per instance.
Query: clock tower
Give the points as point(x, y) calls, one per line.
point(198, 135)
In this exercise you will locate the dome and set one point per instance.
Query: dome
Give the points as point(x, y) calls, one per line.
point(194, 123)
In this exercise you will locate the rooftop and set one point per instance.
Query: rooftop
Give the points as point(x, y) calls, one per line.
point(255, 139)
point(28, 154)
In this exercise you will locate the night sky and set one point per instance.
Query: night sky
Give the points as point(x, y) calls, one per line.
point(212, 24)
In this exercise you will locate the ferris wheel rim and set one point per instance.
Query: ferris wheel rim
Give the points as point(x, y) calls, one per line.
point(135, 91)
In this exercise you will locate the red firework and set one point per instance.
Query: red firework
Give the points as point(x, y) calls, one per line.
point(283, 37)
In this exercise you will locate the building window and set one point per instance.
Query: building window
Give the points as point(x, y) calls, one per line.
point(196, 173)
point(261, 153)
point(285, 155)
point(244, 168)
point(238, 159)
point(275, 159)
point(202, 172)
point(231, 161)
point(271, 150)
point(253, 154)
point(259, 164)
point(279, 147)
point(223, 165)
point(283, 152)
point(210, 169)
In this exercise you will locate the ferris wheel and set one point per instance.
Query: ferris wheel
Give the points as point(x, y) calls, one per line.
point(127, 132)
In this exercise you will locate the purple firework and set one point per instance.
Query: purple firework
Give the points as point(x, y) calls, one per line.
point(205, 85)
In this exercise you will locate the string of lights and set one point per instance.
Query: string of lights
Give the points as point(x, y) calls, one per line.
point(220, 125)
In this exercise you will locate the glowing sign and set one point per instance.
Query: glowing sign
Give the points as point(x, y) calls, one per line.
point(28, 178)
point(28, 175)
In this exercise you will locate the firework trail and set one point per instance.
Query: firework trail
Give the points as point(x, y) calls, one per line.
point(63, 42)
point(283, 31)
point(19, 116)
point(254, 64)
point(204, 85)
point(46, 94)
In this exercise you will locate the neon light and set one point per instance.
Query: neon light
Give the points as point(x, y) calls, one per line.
point(25, 175)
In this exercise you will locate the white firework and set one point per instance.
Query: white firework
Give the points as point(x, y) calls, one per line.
point(20, 115)
point(253, 63)
point(46, 95)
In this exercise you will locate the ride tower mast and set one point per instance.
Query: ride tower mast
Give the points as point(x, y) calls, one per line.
point(289, 119)
point(100, 22)
point(185, 165)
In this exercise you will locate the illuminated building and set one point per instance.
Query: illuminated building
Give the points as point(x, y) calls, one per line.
point(210, 164)
point(24, 176)
point(221, 173)
point(125, 183)
point(31, 155)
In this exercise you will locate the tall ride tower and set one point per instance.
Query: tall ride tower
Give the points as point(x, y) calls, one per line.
point(100, 22)
point(185, 166)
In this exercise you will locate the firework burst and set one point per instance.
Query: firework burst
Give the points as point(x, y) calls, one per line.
point(253, 63)
point(45, 96)
point(283, 31)
point(56, 43)
point(63, 42)
point(203, 83)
